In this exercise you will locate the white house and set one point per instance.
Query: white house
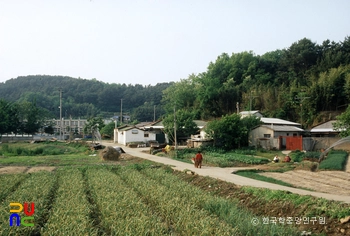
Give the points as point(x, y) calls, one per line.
point(128, 134)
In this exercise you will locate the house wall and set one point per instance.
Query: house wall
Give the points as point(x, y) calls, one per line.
point(257, 138)
point(258, 133)
point(128, 136)
point(203, 134)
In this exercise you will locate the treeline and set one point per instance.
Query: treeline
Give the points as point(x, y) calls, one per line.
point(21, 117)
point(85, 98)
point(297, 83)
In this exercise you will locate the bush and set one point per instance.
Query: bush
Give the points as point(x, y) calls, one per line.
point(312, 155)
point(297, 156)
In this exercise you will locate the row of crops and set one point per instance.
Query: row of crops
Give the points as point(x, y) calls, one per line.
point(103, 200)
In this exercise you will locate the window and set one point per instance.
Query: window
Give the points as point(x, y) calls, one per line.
point(267, 135)
point(145, 135)
point(134, 131)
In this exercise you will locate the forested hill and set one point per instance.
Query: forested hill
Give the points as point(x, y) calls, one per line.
point(298, 83)
point(84, 98)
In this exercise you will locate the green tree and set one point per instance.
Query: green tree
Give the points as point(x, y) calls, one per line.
point(93, 122)
point(185, 126)
point(31, 117)
point(108, 130)
point(49, 129)
point(343, 123)
point(230, 131)
point(9, 117)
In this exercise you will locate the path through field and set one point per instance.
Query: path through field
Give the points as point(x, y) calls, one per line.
point(334, 192)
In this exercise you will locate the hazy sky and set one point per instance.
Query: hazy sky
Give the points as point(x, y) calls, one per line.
point(151, 41)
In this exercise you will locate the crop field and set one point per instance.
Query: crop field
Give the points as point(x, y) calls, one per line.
point(122, 200)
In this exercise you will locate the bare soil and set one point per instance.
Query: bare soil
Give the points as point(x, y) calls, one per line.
point(25, 169)
point(321, 181)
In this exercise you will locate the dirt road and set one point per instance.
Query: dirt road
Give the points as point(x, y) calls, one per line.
point(226, 175)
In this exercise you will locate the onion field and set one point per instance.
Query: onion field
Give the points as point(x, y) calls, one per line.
point(122, 200)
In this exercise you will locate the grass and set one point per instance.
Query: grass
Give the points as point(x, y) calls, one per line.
point(315, 206)
point(49, 154)
point(44, 149)
point(254, 174)
point(62, 160)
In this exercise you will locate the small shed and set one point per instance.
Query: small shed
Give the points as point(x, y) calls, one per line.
point(128, 134)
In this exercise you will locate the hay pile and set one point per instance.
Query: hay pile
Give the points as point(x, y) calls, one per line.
point(109, 154)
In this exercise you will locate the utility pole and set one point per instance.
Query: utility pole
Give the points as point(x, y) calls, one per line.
point(154, 113)
point(250, 101)
point(175, 128)
point(121, 111)
point(237, 107)
point(60, 113)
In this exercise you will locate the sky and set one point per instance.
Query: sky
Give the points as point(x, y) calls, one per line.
point(153, 41)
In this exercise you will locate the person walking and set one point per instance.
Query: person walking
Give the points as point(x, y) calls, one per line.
point(198, 160)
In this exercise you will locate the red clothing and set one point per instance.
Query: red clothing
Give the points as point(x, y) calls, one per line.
point(198, 160)
point(199, 157)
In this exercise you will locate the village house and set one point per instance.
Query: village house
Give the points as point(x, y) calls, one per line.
point(275, 133)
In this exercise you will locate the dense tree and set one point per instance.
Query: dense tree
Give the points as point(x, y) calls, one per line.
point(108, 130)
point(9, 117)
point(93, 123)
point(227, 131)
point(185, 125)
point(343, 123)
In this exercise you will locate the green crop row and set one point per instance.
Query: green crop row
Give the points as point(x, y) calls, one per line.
point(224, 160)
point(122, 212)
point(50, 148)
point(70, 211)
point(335, 160)
point(226, 210)
point(9, 183)
point(37, 188)
point(316, 206)
point(180, 211)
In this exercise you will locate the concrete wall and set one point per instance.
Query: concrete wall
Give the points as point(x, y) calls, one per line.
point(326, 142)
point(258, 133)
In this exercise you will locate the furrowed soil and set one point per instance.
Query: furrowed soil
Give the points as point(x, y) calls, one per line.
point(322, 181)
point(264, 208)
